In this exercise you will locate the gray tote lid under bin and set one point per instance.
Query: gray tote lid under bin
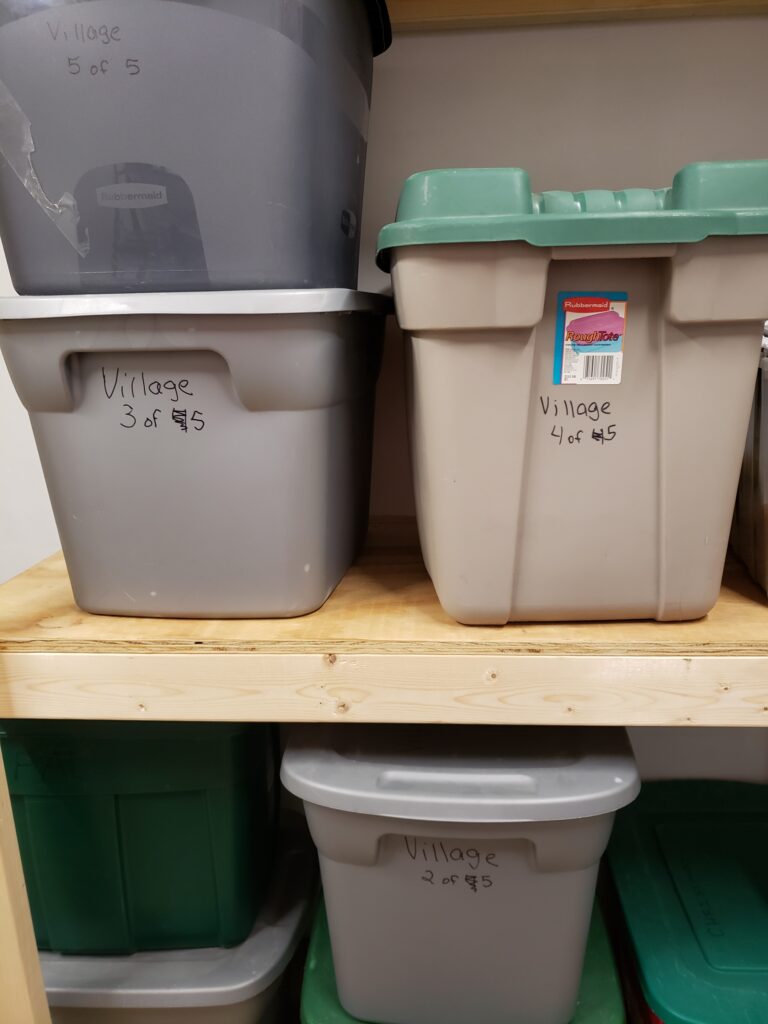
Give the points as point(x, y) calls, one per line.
point(242, 303)
point(197, 977)
point(482, 774)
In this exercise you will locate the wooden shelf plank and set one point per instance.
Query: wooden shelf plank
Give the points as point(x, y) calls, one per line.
point(417, 15)
point(22, 996)
point(380, 650)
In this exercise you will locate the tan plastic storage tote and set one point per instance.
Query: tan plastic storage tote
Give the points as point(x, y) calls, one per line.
point(459, 865)
point(582, 367)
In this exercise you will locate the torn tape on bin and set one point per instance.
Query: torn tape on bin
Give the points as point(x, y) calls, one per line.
point(17, 147)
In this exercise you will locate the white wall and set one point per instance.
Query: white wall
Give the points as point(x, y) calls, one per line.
point(739, 755)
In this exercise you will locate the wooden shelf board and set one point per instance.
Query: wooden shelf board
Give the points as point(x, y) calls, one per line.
point(381, 649)
point(419, 15)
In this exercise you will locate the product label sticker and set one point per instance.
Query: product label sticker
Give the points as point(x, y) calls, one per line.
point(589, 337)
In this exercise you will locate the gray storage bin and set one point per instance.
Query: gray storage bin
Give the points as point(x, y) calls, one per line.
point(201, 986)
point(459, 865)
point(206, 454)
point(158, 146)
point(749, 533)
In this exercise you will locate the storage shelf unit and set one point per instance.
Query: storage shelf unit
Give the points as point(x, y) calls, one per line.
point(417, 15)
point(380, 650)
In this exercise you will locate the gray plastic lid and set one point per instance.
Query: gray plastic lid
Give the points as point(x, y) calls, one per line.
point(196, 977)
point(463, 774)
point(257, 303)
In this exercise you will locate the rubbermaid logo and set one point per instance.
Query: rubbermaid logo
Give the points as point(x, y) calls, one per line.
point(132, 196)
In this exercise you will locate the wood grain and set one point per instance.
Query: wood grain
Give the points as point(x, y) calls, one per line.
point(22, 995)
point(381, 649)
point(417, 15)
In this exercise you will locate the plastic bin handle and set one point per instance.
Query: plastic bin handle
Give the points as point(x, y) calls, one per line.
point(483, 784)
point(280, 363)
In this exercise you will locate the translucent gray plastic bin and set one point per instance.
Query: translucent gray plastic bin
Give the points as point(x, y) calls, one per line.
point(459, 865)
point(149, 145)
point(202, 986)
point(206, 454)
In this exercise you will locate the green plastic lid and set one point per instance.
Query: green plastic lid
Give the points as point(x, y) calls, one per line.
point(46, 759)
point(495, 204)
point(600, 999)
point(688, 860)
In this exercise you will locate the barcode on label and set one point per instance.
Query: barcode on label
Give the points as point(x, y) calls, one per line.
point(599, 368)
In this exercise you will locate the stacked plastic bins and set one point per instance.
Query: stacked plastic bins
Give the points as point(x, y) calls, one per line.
point(688, 862)
point(180, 201)
point(207, 451)
point(159, 887)
point(581, 373)
point(458, 866)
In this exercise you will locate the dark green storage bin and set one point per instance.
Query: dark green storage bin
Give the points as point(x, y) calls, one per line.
point(688, 860)
point(600, 999)
point(142, 836)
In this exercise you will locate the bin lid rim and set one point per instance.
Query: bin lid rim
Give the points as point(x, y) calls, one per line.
point(496, 204)
point(479, 775)
point(213, 303)
point(197, 977)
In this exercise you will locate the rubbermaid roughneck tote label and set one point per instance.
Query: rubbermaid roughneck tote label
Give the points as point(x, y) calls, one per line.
point(589, 337)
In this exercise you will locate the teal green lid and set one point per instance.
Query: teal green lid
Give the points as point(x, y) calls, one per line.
point(600, 999)
point(495, 204)
point(688, 860)
point(46, 759)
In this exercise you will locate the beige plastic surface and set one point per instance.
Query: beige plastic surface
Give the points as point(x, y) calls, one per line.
point(516, 525)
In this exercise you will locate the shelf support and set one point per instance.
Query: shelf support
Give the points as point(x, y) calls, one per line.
point(419, 15)
point(22, 993)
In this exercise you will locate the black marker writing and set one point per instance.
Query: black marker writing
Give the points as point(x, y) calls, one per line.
point(85, 33)
point(141, 398)
point(472, 882)
point(129, 416)
point(567, 408)
point(439, 851)
point(603, 435)
point(560, 435)
point(121, 382)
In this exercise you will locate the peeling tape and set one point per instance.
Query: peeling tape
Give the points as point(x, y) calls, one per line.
point(17, 146)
